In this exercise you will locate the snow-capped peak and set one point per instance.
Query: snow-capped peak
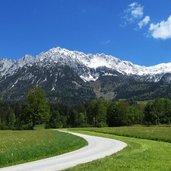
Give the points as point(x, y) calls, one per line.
point(82, 63)
point(27, 59)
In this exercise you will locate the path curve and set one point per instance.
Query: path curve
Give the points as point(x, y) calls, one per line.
point(97, 148)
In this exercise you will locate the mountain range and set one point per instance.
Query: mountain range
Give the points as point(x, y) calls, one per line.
point(72, 76)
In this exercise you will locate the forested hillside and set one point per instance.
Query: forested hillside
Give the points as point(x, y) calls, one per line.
point(98, 113)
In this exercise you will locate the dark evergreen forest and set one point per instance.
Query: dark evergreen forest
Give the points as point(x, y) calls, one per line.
point(97, 113)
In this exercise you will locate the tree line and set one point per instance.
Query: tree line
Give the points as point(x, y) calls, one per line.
point(98, 113)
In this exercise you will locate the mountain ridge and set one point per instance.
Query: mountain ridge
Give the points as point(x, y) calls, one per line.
point(73, 76)
point(92, 61)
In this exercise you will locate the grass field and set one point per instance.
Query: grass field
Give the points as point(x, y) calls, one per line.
point(22, 146)
point(159, 133)
point(139, 155)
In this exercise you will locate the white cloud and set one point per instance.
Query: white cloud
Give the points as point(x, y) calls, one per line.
point(134, 12)
point(144, 21)
point(161, 30)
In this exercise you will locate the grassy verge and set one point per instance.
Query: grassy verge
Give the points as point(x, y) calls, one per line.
point(22, 146)
point(139, 155)
point(158, 133)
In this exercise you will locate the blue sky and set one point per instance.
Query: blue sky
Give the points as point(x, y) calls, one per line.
point(138, 31)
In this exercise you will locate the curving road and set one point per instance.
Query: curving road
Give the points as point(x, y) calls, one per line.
point(97, 148)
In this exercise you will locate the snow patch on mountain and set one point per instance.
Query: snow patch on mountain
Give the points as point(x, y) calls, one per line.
point(88, 78)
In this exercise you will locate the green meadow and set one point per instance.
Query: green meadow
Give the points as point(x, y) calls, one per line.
point(23, 146)
point(141, 154)
point(158, 133)
point(148, 149)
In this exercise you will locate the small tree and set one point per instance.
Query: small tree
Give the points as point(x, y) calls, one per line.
point(55, 120)
point(117, 114)
point(97, 113)
point(80, 119)
point(101, 116)
point(150, 114)
point(36, 108)
point(11, 119)
point(167, 107)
